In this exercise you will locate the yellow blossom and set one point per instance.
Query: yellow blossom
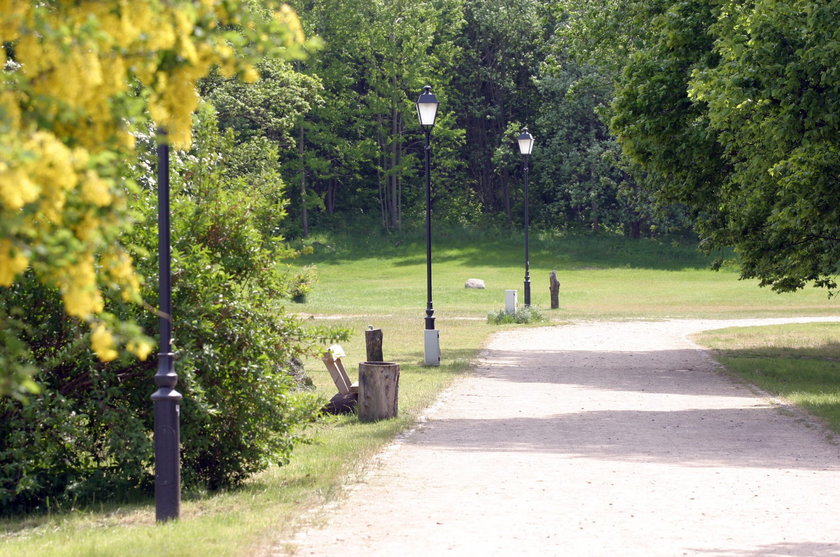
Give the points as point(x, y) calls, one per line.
point(102, 342)
point(96, 190)
point(10, 109)
point(12, 262)
point(87, 227)
point(77, 283)
point(66, 107)
point(12, 11)
point(141, 349)
point(121, 270)
point(287, 16)
point(250, 75)
point(16, 189)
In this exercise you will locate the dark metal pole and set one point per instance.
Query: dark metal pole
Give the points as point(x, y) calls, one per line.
point(527, 263)
point(430, 320)
point(166, 398)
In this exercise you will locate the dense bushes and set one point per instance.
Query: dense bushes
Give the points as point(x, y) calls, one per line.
point(89, 432)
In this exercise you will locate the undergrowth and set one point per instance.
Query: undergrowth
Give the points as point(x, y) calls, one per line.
point(528, 314)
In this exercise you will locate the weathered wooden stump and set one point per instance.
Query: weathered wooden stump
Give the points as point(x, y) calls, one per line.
point(379, 386)
point(373, 343)
point(554, 289)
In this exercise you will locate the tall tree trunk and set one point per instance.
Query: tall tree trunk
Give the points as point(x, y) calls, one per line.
point(636, 219)
point(392, 174)
point(304, 216)
point(636, 229)
point(381, 174)
point(399, 165)
point(331, 196)
point(506, 196)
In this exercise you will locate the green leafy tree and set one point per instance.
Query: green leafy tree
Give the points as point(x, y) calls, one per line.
point(498, 58)
point(272, 108)
point(376, 58)
point(656, 122)
point(732, 107)
point(773, 104)
point(577, 175)
point(581, 176)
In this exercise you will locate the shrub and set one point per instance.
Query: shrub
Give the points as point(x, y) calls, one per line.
point(531, 314)
point(87, 435)
point(302, 283)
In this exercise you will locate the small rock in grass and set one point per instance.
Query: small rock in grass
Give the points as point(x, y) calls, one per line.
point(474, 283)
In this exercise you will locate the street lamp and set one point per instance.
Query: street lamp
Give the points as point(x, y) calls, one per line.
point(526, 144)
point(427, 106)
point(166, 398)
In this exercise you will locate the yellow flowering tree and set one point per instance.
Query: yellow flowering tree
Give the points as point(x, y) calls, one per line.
point(77, 77)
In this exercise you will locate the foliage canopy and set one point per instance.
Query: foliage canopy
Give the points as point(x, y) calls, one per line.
point(734, 104)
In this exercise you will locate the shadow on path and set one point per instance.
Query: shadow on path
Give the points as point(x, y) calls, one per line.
point(711, 438)
point(666, 406)
point(662, 371)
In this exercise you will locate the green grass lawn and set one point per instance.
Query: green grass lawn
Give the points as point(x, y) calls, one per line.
point(799, 362)
point(601, 277)
point(380, 280)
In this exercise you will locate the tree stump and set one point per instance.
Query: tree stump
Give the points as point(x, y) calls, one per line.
point(554, 289)
point(379, 386)
point(373, 343)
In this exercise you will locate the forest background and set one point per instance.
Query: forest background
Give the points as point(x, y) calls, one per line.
point(715, 120)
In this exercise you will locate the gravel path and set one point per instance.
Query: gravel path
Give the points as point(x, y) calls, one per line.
point(603, 439)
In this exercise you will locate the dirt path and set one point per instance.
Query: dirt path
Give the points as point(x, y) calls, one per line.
point(603, 439)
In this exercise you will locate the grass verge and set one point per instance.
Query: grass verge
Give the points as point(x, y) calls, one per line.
point(799, 363)
point(256, 518)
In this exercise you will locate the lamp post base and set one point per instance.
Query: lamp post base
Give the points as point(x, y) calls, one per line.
point(527, 292)
point(431, 347)
point(167, 454)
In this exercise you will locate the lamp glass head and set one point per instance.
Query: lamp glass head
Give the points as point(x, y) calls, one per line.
point(526, 142)
point(427, 106)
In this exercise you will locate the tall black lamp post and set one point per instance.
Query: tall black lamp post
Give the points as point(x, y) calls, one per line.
point(427, 106)
point(166, 398)
point(526, 144)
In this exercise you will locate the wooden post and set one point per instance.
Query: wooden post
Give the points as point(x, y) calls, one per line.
point(554, 288)
point(379, 386)
point(373, 343)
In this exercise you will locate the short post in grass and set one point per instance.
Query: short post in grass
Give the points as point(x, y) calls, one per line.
point(166, 399)
point(510, 302)
point(373, 344)
point(427, 106)
point(526, 144)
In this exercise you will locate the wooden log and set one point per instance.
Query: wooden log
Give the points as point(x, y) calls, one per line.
point(379, 386)
point(554, 289)
point(373, 343)
point(332, 359)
